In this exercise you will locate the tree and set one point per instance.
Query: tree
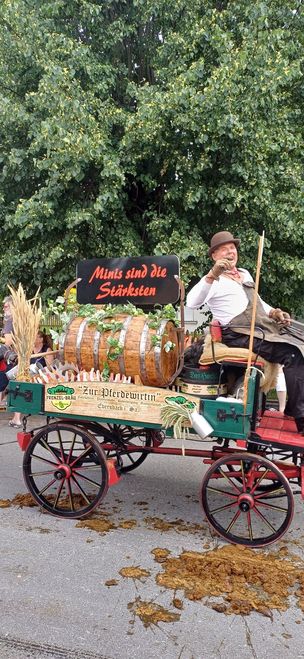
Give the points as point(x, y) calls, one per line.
point(144, 126)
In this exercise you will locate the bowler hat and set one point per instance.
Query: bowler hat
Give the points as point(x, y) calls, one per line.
point(221, 238)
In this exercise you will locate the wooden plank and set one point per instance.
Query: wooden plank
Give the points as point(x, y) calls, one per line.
point(111, 400)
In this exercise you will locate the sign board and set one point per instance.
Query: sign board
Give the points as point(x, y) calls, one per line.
point(111, 400)
point(142, 280)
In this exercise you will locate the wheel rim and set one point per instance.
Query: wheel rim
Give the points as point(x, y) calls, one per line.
point(236, 507)
point(65, 470)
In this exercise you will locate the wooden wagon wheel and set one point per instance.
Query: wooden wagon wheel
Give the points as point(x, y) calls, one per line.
point(65, 470)
point(136, 438)
point(117, 440)
point(236, 507)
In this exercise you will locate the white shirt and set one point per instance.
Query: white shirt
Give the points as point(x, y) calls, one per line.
point(224, 297)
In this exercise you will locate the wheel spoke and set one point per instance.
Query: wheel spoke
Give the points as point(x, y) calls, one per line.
point(236, 516)
point(85, 478)
point(38, 457)
point(215, 489)
point(41, 473)
point(71, 448)
point(275, 495)
point(61, 447)
point(243, 476)
point(81, 490)
point(87, 467)
point(61, 484)
point(258, 482)
point(249, 525)
point(70, 493)
point(258, 512)
point(228, 505)
point(81, 455)
point(269, 505)
point(46, 487)
point(229, 480)
point(49, 448)
point(129, 455)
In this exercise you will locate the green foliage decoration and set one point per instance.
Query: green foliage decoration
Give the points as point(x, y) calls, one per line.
point(105, 320)
point(144, 126)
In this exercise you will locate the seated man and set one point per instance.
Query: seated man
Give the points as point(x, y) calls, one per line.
point(228, 292)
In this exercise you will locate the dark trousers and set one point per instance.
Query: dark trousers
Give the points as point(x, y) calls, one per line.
point(278, 353)
point(4, 379)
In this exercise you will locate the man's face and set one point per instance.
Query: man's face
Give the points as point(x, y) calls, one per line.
point(226, 251)
point(7, 312)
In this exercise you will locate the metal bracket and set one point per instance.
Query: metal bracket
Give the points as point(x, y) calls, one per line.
point(27, 394)
point(222, 415)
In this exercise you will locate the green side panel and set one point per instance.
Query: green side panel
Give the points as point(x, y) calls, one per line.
point(228, 418)
point(25, 397)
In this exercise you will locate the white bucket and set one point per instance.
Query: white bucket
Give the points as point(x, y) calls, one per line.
point(12, 373)
point(200, 425)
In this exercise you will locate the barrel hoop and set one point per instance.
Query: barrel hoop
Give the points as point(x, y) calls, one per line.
point(65, 336)
point(80, 332)
point(64, 341)
point(142, 351)
point(96, 341)
point(121, 343)
point(158, 349)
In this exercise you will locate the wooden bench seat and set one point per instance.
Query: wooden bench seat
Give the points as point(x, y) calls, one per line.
point(280, 431)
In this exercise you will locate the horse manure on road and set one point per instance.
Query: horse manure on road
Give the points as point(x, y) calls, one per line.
point(134, 572)
point(151, 613)
point(245, 580)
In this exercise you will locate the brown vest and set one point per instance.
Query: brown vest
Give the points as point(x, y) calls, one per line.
point(272, 330)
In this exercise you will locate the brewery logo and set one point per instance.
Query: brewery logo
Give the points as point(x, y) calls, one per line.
point(61, 405)
point(180, 400)
point(60, 396)
point(60, 389)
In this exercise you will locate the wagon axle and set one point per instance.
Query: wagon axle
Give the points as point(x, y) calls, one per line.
point(246, 502)
point(64, 471)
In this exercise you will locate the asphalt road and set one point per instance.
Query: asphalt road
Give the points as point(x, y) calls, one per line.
point(53, 594)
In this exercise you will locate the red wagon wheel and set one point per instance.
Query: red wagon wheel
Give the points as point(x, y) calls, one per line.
point(238, 509)
point(126, 443)
point(65, 470)
point(137, 439)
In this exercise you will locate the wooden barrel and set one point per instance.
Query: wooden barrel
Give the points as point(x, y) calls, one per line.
point(87, 347)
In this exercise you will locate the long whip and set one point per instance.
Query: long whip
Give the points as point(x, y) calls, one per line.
point(252, 326)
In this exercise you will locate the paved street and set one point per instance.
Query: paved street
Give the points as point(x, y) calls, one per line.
point(55, 601)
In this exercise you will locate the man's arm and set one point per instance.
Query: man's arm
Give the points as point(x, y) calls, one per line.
point(197, 296)
point(6, 339)
point(280, 316)
point(7, 333)
point(276, 314)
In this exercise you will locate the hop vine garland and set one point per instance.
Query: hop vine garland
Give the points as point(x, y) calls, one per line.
point(104, 319)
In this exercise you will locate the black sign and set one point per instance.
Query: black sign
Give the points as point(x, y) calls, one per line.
point(142, 280)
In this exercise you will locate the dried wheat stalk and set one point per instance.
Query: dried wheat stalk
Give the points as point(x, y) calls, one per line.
point(26, 318)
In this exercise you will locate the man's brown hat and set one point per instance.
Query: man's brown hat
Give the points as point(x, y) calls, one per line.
point(221, 238)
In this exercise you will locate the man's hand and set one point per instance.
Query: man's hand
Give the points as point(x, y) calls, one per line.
point(220, 266)
point(280, 316)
